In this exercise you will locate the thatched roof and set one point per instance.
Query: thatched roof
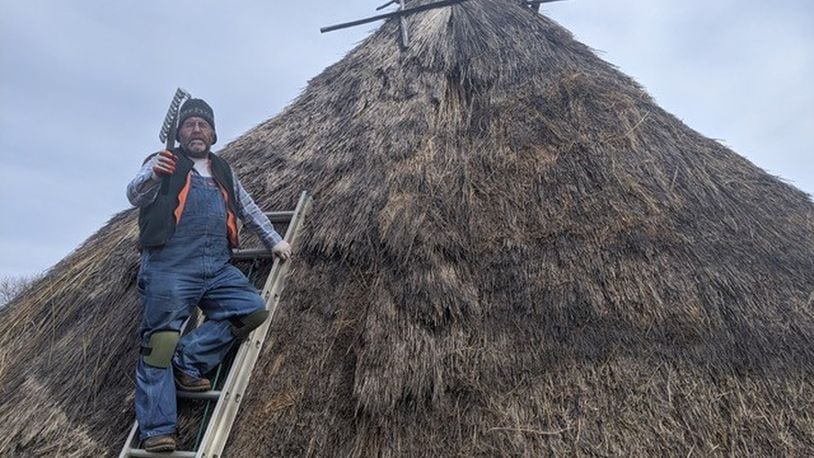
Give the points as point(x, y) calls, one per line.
point(512, 251)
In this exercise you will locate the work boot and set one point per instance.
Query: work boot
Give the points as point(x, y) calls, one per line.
point(160, 444)
point(191, 384)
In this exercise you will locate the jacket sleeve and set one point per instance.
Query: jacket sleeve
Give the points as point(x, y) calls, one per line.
point(143, 189)
point(254, 218)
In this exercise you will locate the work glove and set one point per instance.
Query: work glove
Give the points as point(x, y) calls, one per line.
point(164, 165)
point(282, 250)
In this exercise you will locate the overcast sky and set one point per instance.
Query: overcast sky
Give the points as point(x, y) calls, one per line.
point(85, 84)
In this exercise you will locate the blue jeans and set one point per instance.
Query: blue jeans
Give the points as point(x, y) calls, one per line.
point(191, 269)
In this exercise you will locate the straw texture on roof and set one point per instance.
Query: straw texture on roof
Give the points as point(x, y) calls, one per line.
point(513, 251)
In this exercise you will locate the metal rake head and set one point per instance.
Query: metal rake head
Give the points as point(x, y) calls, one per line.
point(172, 113)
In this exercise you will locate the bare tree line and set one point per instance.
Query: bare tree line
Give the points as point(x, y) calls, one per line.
point(12, 285)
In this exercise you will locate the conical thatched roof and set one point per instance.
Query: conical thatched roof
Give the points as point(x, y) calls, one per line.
point(512, 251)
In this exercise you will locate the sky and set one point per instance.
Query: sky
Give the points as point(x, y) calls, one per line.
point(85, 85)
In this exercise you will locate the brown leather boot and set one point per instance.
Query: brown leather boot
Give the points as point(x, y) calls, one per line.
point(160, 444)
point(191, 384)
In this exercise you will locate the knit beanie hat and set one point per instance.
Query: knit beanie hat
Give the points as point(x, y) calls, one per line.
point(199, 108)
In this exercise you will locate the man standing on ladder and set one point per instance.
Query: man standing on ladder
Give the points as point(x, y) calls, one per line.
point(189, 200)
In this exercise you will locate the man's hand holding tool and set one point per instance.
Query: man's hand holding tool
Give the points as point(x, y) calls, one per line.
point(164, 165)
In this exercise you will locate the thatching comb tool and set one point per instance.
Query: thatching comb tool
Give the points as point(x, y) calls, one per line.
point(170, 125)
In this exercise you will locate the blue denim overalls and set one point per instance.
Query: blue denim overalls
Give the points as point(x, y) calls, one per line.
point(191, 269)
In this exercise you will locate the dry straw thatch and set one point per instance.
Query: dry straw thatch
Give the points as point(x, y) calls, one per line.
point(512, 251)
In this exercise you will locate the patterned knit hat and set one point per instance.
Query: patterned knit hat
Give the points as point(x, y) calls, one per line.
point(199, 108)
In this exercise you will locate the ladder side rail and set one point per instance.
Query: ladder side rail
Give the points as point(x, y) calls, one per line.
point(222, 420)
point(250, 352)
point(227, 389)
point(228, 384)
point(130, 437)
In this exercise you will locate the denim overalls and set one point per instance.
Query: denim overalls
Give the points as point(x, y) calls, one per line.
point(191, 269)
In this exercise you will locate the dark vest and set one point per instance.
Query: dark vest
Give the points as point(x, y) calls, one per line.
point(157, 221)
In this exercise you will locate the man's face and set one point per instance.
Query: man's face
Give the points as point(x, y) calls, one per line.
point(196, 136)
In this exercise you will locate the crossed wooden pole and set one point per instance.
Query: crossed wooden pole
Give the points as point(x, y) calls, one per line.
point(403, 12)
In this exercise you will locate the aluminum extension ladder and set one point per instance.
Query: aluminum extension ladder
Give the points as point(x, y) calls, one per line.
point(227, 399)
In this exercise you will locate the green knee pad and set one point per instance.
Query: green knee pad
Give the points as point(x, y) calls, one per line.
point(161, 347)
point(242, 326)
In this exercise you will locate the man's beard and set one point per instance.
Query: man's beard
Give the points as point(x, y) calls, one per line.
point(196, 154)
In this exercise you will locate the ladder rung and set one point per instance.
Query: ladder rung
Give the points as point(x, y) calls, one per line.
point(211, 395)
point(280, 217)
point(251, 253)
point(140, 452)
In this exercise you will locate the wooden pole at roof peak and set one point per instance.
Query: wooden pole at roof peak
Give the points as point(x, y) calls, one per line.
point(403, 12)
point(400, 13)
point(405, 39)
